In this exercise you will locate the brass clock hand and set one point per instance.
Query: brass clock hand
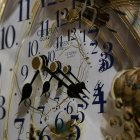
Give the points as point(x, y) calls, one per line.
point(72, 92)
point(56, 77)
point(55, 67)
point(67, 70)
point(42, 62)
point(38, 65)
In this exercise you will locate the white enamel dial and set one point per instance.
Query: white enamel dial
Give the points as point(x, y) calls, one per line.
point(56, 69)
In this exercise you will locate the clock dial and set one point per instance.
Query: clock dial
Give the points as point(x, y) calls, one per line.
point(57, 63)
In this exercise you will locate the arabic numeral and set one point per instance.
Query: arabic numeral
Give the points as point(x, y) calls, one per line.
point(44, 29)
point(94, 31)
point(59, 42)
point(72, 135)
point(94, 44)
point(64, 13)
point(79, 118)
point(51, 55)
point(41, 136)
point(21, 122)
point(101, 101)
point(2, 108)
point(69, 108)
point(107, 59)
point(21, 10)
point(59, 123)
point(72, 34)
point(108, 47)
point(84, 35)
point(33, 48)
point(100, 94)
point(59, 15)
point(8, 37)
point(24, 71)
point(41, 108)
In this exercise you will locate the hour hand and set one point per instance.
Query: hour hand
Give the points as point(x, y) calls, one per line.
point(82, 85)
point(46, 87)
point(26, 92)
point(74, 92)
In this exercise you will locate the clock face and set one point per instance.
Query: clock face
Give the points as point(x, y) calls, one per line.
point(57, 63)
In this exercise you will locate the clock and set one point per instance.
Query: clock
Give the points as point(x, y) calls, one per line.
point(58, 59)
